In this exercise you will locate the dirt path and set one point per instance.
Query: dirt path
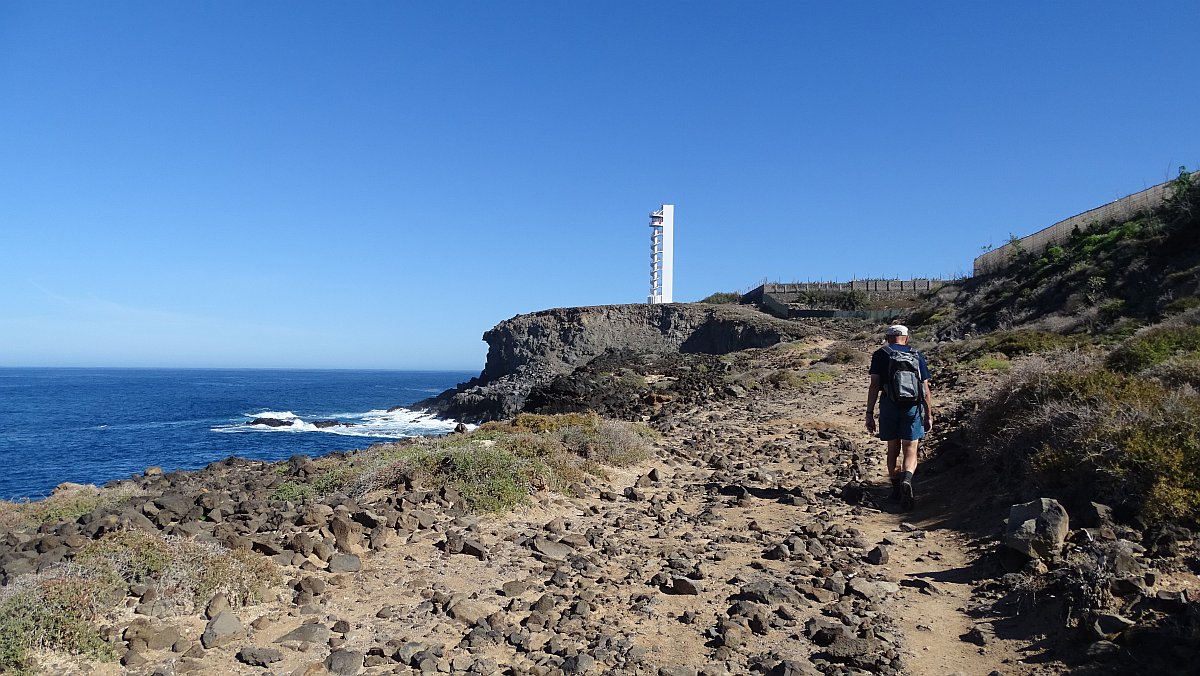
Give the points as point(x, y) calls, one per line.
point(934, 566)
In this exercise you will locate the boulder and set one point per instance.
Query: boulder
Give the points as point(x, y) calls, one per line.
point(344, 663)
point(550, 549)
point(684, 586)
point(222, 630)
point(307, 633)
point(469, 612)
point(1109, 626)
point(878, 556)
point(256, 656)
point(1037, 529)
point(325, 424)
point(345, 563)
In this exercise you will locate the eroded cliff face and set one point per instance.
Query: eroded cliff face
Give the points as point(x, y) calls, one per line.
point(530, 350)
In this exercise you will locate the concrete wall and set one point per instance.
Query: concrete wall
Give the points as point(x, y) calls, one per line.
point(876, 315)
point(905, 286)
point(1120, 210)
point(775, 298)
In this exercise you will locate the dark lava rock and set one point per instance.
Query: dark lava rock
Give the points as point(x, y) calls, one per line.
point(307, 633)
point(133, 659)
point(682, 585)
point(578, 664)
point(345, 563)
point(344, 662)
point(257, 656)
point(271, 422)
point(878, 556)
point(325, 424)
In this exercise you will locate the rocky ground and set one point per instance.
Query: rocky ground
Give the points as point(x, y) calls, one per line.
point(757, 540)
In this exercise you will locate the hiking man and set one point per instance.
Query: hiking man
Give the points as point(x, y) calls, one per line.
point(905, 410)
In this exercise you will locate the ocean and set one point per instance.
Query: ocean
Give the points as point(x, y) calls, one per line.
point(92, 425)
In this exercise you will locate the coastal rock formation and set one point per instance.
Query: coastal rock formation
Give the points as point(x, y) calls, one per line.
point(531, 350)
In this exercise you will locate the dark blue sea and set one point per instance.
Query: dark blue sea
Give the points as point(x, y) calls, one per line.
point(94, 425)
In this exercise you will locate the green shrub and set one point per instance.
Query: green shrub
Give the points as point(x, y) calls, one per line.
point(132, 556)
point(991, 363)
point(1112, 310)
point(61, 609)
point(845, 354)
point(785, 378)
point(723, 298)
point(1181, 305)
point(1050, 256)
point(1016, 343)
point(1176, 371)
point(187, 572)
point(1155, 346)
point(291, 491)
point(532, 422)
point(817, 377)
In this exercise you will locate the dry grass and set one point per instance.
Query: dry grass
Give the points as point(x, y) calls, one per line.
point(55, 610)
point(67, 503)
point(186, 572)
point(60, 609)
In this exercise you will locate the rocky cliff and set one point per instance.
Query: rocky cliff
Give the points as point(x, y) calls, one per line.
point(531, 350)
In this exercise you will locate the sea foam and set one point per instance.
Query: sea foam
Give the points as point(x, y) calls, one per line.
point(394, 424)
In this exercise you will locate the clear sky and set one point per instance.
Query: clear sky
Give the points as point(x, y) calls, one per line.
point(375, 184)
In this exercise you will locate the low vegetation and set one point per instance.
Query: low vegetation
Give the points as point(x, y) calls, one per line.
point(61, 609)
point(55, 610)
point(991, 362)
point(492, 468)
point(1080, 431)
point(845, 354)
point(1156, 345)
point(67, 503)
point(722, 298)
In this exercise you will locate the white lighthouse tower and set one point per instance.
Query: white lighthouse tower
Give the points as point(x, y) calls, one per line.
point(662, 244)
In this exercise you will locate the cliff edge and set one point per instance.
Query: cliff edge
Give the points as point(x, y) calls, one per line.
point(532, 349)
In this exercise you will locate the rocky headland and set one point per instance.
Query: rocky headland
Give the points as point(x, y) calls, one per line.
point(530, 351)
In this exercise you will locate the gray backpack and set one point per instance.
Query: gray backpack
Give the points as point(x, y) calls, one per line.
point(903, 384)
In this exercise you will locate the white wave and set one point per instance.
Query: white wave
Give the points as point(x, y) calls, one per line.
point(396, 424)
point(278, 415)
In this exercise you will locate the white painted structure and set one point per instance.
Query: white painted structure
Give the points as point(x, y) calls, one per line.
point(662, 245)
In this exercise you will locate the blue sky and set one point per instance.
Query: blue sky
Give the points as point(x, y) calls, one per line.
point(374, 184)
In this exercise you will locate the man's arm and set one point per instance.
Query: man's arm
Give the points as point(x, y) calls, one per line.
point(872, 397)
point(928, 418)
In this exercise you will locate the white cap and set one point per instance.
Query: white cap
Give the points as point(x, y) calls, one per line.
point(896, 330)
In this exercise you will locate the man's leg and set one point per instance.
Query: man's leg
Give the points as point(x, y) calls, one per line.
point(910, 456)
point(894, 467)
point(910, 465)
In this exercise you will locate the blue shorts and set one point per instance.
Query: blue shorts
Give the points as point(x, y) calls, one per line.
point(900, 422)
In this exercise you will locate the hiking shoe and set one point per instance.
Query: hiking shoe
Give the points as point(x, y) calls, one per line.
point(906, 496)
point(895, 495)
